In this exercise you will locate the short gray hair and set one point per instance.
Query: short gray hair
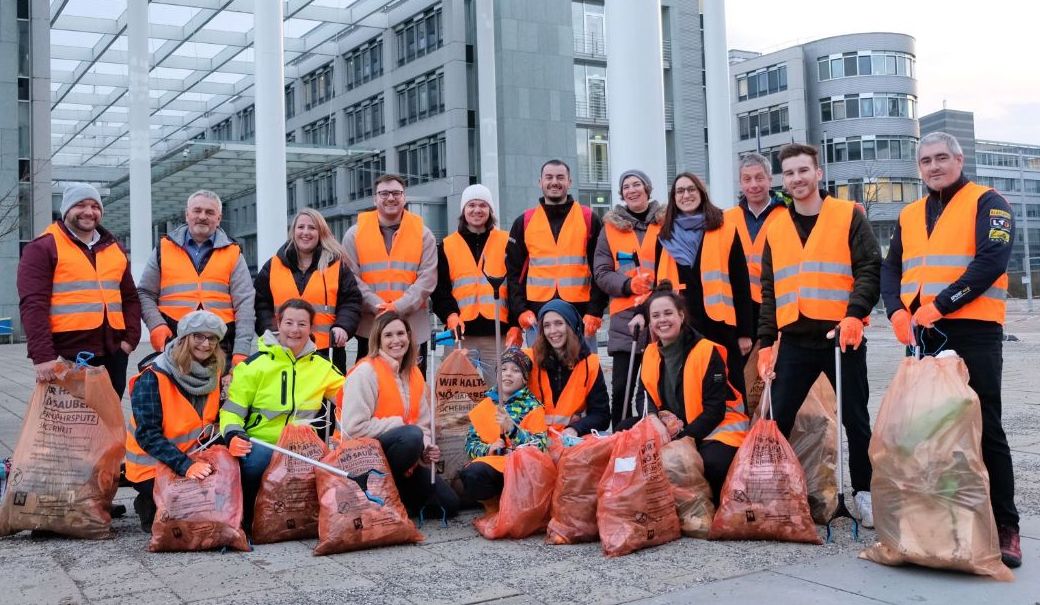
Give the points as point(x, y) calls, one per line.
point(206, 193)
point(754, 159)
point(933, 138)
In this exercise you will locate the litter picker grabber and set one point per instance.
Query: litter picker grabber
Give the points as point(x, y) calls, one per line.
point(317, 464)
point(496, 286)
point(839, 469)
point(628, 376)
point(446, 337)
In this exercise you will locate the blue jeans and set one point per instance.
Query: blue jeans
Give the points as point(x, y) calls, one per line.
point(253, 466)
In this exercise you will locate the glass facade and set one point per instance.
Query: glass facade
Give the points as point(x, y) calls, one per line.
point(868, 105)
point(866, 63)
point(762, 82)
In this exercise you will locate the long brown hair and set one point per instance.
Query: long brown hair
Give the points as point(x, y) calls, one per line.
point(571, 349)
point(182, 357)
point(375, 340)
point(712, 213)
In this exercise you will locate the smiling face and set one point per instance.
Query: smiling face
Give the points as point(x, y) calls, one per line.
point(687, 196)
point(801, 176)
point(202, 346)
point(754, 184)
point(939, 167)
point(665, 319)
point(512, 379)
point(83, 218)
point(634, 192)
point(394, 341)
point(390, 201)
point(294, 329)
point(555, 183)
point(203, 217)
point(305, 235)
point(555, 330)
point(476, 214)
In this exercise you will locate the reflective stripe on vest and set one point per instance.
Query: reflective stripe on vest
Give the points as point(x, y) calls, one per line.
point(814, 281)
point(752, 249)
point(85, 293)
point(575, 393)
point(932, 262)
point(182, 425)
point(321, 291)
point(558, 265)
point(389, 274)
point(469, 287)
point(627, 242)
point(735, 423)
point(714, 272)
point(182, 289)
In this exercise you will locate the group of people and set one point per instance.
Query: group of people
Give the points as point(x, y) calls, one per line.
point(689, 290)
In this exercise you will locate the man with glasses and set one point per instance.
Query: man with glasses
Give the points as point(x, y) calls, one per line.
point(394, 256)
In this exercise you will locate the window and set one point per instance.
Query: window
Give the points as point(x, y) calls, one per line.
point(222, 131)
point(321, 189)
point(869, 63)
point(420, 98)
point(317, 86)
point(423, 160)
point(321, 132)
point(876, 105)
point(290, 101)
point(364, 120)
point(853, 149)
point(290, 197)
point(876, 190)
point(421, 35)
point(770, 120)
point(364, 63)
point(762, 82)
point(247, 123)
point(362, 173)
point(590, 92)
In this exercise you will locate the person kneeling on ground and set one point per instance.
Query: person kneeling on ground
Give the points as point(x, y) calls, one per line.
point(501, 423)
point(384, 397)
point(173, 401)
point(685, 377)
point(284, 381)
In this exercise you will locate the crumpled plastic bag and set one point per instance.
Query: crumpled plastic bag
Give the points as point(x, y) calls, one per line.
point(460, 387)
point(574, 498)
point(365, 511)
point(65, 469)
point(287, 502)
point(193, 514)
point(814, 439)
point(636, 507)
point(526, 499)
point(685, 470)
point(930, 486)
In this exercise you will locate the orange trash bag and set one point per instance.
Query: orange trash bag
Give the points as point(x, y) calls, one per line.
point(460, 387)
point(636, 507)
point(362, 512)
point(193, 514)
point(574, 497)
point(765, 495)
point(930, 486)
point(814, 440)
point(684, 468)
point(526, 500)
point(65, 469)
point(287, 502)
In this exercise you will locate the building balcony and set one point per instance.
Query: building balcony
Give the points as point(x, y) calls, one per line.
point(669, 116)
point(591, 113)
point(666, 53)
point(594, 175)
point(590, 46)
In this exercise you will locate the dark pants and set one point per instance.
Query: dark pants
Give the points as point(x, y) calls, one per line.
point(403, 448)
point(252, 466)
point(481, 481)
point(617, 386)
point(144, 503)
point(797, 368)
point(420, 359)
point(338, 358)
point(983, 355)
point(725, 335)
point(115, 364)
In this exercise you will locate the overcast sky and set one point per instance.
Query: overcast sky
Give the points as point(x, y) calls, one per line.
point(981, 57)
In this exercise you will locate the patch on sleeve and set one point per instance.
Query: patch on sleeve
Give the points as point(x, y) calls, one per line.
point(718, 378)
point(1000, 223)
point(1000, 235)
point(995, 212)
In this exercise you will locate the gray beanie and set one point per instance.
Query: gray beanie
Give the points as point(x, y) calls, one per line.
point(76, 193)
point(478, 192)
point(639, 174)
point(201, 322)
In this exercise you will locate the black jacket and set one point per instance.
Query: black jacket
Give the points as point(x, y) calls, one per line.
point(866, 287)
point(444, 303)
point(348, 298)
point(597, 405)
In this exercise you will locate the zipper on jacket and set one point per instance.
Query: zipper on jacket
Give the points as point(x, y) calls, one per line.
point(284, 389)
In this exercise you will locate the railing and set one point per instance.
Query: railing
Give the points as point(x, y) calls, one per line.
point(666, 53)
point(596, 174)
point(591, 112)
point(669, 116)
point(592, 45)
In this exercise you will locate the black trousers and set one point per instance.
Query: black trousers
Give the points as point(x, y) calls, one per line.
point(144, 503)
point(362, 351)
point(797, 368)
point(983, 355)
point(617, 386)
point(115, 363)
point(481, 481)
point(403, 448)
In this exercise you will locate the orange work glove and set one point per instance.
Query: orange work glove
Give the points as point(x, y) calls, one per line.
point(237, 358)
point(850, 330)
point(455, 324)
point(239, 446)
point(641, 284)
point(901, 326)
point(514, 338)
point(198, 470)
point(765, 363)
point(384, 307)
point(927, 315)
point(527, 320)
point(592, 324)
point(159, 336)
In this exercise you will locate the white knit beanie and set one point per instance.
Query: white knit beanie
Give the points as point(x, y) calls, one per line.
point(76, 193)
point(479, 192)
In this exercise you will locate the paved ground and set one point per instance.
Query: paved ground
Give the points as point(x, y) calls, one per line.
point(455, 565)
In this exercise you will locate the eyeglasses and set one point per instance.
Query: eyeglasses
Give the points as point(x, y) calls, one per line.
point(681, 191)
point(385, 195)
point(201, 338)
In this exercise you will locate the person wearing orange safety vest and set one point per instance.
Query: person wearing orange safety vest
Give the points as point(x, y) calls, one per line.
point(385, 398)
point(464, 299)
point(947, 269)
point(175, 402)
point(393, 255)
point(499, 424)
point(197, 266)
point(76, 292)
point(566, 376)
point(550, 255)
point(701, 254)
point(820, 274)
point(685, 377)
point(310, 266)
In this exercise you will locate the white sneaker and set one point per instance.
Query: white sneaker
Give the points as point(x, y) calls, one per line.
point(865, 508)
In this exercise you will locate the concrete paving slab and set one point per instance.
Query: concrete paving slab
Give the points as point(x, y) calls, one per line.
point(762, 587)
point(38, 580)
point(217, 578)
point(151, 597)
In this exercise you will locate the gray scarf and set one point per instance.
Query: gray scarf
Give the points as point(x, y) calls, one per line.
point(200, 380)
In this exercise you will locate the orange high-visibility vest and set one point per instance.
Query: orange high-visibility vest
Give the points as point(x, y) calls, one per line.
point(932, 263)
point(84, 293)
point(389, 274)
point(752, 248)
point(182, 289)
point(469, 287)
point(718, 293)
point(483, 418)
point(814, 280)
point(182, 425)
point(321, 291)
point(735, 423)
point(558, 265)
point(628, 242)
point(575, 394)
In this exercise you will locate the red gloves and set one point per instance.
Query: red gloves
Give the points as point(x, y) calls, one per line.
point(455, 324)
point(237, 358)
point(592, 324)
point(765, 363)
point(198, 470)
point(159, 336)
point(527, 320)
point(901, 326)
point(850, 330)
point(239, 446)
point(927, 315)
point(514, 338)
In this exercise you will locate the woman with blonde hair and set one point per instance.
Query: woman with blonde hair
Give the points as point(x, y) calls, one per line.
point(309, 266)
